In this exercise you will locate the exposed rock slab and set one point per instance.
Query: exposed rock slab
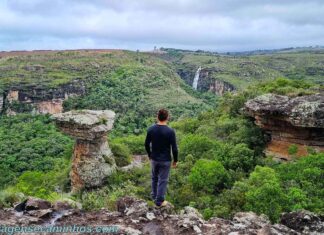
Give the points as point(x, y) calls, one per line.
point(92, 160)
point(134, 216)
point(298, 120)
point(220, 87)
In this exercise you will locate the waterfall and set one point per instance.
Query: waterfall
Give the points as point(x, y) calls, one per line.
point(196, 79)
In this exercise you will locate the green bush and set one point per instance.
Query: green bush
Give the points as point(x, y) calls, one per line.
point(236, 157)
point(135, 143)
point(293, 149)
point(37, 184)
point(189, 125)
point(8, 198)
point(47, 185)
point(107, 197)
point(267, 199)
point(265, 194)
point(195, 145)
point(208, 175)
point(121, 153)
point(304, 176)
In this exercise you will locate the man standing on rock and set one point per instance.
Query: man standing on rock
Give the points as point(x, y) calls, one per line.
point(158, 143)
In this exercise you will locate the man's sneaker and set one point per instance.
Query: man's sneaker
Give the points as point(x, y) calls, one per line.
point(164, 203)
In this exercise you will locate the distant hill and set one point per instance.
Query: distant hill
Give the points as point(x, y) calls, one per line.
point(240, 69)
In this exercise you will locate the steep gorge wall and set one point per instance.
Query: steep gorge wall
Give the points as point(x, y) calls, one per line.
point(221, 87)
point(207, 80)
point(40, 99)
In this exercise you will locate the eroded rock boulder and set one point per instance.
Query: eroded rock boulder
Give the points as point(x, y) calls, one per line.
point(92, 160)
point(303, 221)
point(298, 121)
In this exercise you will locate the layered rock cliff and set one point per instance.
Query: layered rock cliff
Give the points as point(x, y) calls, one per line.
point(92, 158)
point(135, 217)
point(297, 122)
point(39, 99)
point(220, 87)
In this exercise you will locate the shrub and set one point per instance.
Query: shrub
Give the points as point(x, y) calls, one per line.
point(196, 145)
point(37, 184)
point(293, 149)
point(8, 198)
point(208, 175)
point(268, 199)
point(265, 194)
point(122, 154)
point(237, 157)
point(188, 125)
point(135, 143)
point(107, 197)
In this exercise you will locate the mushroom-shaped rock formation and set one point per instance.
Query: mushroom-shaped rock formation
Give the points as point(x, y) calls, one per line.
point(92, 157)
point(298, 121)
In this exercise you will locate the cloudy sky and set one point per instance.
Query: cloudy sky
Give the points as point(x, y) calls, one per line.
point(218, 25)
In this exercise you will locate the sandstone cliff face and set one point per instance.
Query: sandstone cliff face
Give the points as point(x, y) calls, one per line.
point(135, 217)
point(92, 160)
point(298, 121)
point(221, 87)
point(41, 100)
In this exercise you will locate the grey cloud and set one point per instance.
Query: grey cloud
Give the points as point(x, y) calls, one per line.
point(210, 24)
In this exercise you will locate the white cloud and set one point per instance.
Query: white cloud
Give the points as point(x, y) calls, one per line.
point(211, 24)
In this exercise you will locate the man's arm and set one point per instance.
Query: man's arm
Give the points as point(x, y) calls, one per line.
point(147, 144)
point(174, 147)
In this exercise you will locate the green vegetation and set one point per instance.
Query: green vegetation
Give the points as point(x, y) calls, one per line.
point(208, 176)
point(29, 143)
point(121, 153)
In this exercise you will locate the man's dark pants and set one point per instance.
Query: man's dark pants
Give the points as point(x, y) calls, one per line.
point(160, 176)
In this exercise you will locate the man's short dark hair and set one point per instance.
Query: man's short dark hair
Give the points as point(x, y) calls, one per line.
point(163, 115)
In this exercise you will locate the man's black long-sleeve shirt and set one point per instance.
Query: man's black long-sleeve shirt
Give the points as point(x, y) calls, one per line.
point(158, 143)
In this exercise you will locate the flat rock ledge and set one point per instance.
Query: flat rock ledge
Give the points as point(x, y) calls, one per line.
point(135, 216)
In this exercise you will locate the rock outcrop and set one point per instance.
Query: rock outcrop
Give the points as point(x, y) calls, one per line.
point(1, 103)
point(135, 216)
point(92, 160)
point(221, 87)
point(295, 121)
point(39, 99)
